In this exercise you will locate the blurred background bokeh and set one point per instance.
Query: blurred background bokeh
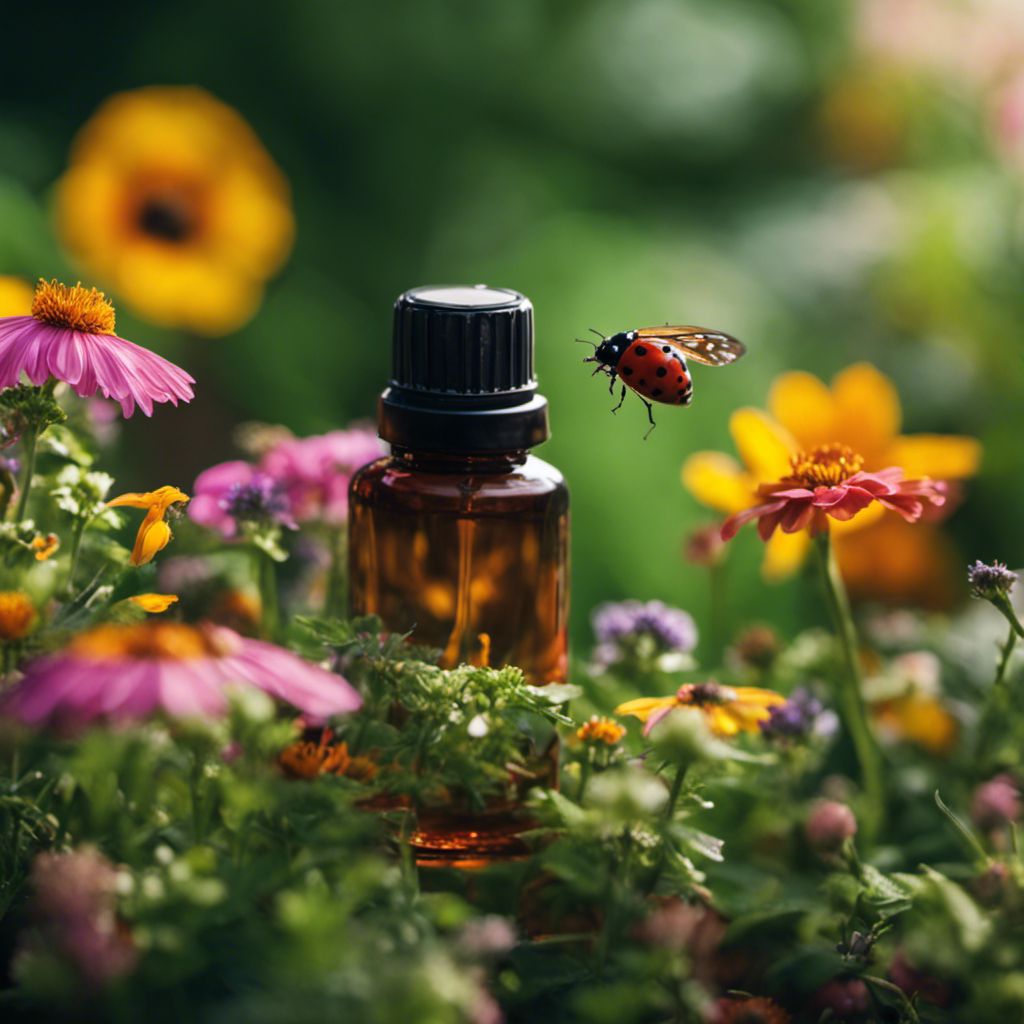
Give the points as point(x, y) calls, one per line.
point(831, 182)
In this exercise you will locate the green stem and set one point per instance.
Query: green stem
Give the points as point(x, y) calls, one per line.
point(851, 700)
point(28, 454)
point(1002, 602)
point(1007, 650)
point(677, 788)
point(268, 594)
point(76, 546)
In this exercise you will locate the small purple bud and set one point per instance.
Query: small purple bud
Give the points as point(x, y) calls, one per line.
point(991, 581)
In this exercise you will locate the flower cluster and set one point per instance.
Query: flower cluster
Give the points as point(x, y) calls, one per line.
point(650, 631)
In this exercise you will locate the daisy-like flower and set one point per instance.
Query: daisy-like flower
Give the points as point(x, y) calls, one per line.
point(172, 200)
point(129, 672)
point(70, 336)
point(728, 709)
point(861, 410)
point(829, 483)
point(154, 533)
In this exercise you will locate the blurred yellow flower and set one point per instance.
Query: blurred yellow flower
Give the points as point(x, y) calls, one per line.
point(15, 296)
point(17, 614)
point(154, 603)
point(172, 200)
point(728, 709)
point(861, 410)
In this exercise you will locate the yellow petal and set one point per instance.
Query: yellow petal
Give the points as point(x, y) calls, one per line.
point(643, 706)
point(15, 296)
point(154, 602)
point(152, 537)
point(763, 445)
point(867, 411)
point(716, 480)
point(804, 406)
point(722, 721)
point(936, 455)
point(784, 554)
point(134, 499)
point(755, 695)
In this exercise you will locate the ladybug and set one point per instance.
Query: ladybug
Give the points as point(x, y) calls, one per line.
point(652, 361)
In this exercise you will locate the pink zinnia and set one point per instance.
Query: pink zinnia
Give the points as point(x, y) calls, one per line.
point(129, 672)
point(315, 471)
point(70, 336)
point(829, 483)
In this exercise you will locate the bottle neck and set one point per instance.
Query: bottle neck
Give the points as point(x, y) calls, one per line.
point(460, 462)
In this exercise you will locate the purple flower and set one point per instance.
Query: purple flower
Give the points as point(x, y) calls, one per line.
point(671, 628)
point(314, 472)
point(996, 802)
point(793, 720)
point(990, 581)
point(235, 492)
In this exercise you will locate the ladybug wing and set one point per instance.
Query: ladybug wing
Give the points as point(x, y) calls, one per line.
point(713, 348)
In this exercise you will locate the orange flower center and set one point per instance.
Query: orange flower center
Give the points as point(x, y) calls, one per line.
point(826, 466)
point(169, 641)
point(74, 308)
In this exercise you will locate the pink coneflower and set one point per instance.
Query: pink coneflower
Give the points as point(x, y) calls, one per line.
point(314, 472)
point(828, 482)
point(128, 672)
point(70, 336)
point(234, 492)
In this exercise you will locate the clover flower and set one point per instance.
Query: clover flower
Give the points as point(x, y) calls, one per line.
point(728, 709)
point(70, 337)
point(154, 533)
point(129, 672)
point(828, 483)
point(646, 630)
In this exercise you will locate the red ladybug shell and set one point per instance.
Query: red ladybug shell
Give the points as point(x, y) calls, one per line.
point(657, 370)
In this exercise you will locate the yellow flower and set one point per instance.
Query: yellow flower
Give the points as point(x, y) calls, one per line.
point(154, 534)
point(154, 602)
point(600, 730)
point(17, 613)
point(15, 296)
point(44, 546)
point(171, 198)
point(728, 709)
point(861, 411)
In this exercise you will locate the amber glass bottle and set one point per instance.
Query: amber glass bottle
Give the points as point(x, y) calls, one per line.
point(461, 535)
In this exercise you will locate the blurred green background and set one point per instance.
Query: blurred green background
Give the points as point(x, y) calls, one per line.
point(831, 182)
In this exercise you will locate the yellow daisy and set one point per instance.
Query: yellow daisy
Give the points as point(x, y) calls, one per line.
point(172, 200)
point(861, 410)
point(728, 709)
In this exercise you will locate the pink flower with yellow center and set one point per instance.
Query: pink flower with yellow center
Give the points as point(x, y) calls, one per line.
point(154, 533)
point(828, 483)
point(860, 410)
point(129, 672)
point(70, 336)
point(728, 709)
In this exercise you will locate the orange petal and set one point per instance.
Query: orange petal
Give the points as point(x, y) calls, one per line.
point(134, 499)
point(783, 555)
point(867, 411)
point(154, 602)
point(718, 481)
point(763, 445)
point(152, 537)
point(939, 456)
point(805, 407)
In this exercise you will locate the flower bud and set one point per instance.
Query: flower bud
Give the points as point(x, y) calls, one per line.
point(995, 803)
point(829, 825)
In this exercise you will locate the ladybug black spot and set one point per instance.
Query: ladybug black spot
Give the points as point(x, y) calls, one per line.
point(627, 371)
point(666, 348)
point(655, 392)
point(679, 380)
point(641, 382)
point(640, 350)
point(681, 392)
point(662, 371)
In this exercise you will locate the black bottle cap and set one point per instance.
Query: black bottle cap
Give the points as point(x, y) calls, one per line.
point(462, 372)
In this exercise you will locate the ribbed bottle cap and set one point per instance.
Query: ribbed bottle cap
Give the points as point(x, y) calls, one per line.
point(462, 372)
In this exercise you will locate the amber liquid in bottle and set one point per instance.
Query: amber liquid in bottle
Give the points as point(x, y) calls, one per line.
point(469, 552)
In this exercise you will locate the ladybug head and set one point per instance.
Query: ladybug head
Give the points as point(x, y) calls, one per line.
point(610, 350)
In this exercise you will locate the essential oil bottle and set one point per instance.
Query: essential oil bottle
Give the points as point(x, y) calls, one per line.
point(461, 535)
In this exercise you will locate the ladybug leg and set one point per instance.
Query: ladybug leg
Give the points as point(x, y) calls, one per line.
point(622, 398)
point(611, 386)
point(650, 415)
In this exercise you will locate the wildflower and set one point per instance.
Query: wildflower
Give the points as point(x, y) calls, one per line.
point(154, 603)
point(74, 904)
point(828, 482)
point(172, 200)
point(600, 730)
point(756, 647)
point(17, 614)
point(487, 936)
point(748, 1010)
point(650, 631)
point(829, 825)
point(996, 803)
point(990, 581)
point(154, 534)
point(918, 983)
point(234, 492)
point(42, 547)
point(128, 672)
point(70, 336)
point(728, 710)
point(306, 760)
point(793, 720)
point(862, 411)
point(315, 471)
point(15, 296)
point(704, 546)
